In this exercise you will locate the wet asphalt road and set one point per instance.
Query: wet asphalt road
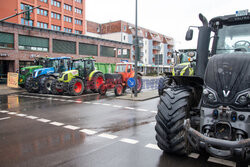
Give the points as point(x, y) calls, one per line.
point(90, 131)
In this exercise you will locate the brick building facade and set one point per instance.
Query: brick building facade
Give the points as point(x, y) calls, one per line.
point(19, 44)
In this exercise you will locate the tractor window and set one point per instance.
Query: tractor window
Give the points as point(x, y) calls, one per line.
point(120, 68)
point(234, 38)
point(89, 66)
point(78, 65)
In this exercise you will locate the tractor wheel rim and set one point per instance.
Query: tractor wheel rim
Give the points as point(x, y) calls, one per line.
point(119, 90)
point(48, 85)
point(99, 81)
point(78, 87)
point(138, 84)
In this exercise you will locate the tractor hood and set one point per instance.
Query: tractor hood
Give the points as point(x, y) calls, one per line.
point(228, 75)
point(43, 71)
point(31, 67)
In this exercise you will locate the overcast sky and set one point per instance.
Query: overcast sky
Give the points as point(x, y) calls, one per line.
point(170, 18)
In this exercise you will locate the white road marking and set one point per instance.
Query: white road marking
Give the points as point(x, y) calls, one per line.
point(130, 108)
point(4, 111)
point(31, 117)
point(62, 100)
point(154, 112)
point(116, 106)
point(88, 132)
point(43, 120)
point(108, 136)
point(141, 109)
point(55, 99)
point(194, 155)
point(21, 115)
point(106, 104)
point(152, 146)
point(4, 118)
point(130, 141)
point(222, 161)
point(78, 101)
point(86, 102)
point(12, 113)
point(71, 100)
point(48, 95)
point(96, 103)
point(71, 127)
point(56, 123)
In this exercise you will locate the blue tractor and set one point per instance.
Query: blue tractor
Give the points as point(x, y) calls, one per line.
point(41, 79)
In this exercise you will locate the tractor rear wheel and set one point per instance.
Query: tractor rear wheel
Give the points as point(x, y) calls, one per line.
point(76, 87)
point(172, 111)
point(54, 90)
point(139, 84)
point(102, 89)
point(31, 85)
point(118, 90)
point(97, 80)
point(45, 84)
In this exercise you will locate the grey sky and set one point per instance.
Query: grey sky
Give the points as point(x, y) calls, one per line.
point(171, 18)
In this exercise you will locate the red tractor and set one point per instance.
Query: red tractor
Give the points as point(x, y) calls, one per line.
point(118, 81)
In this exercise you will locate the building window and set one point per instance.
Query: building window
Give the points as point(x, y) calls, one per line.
point(125, 53)
point(42, 12)
point(88, 49)
point(26, 22)
point(68, 19)
point(55, 16)
point(6, 40)
point(54, 27)
point(67, 30)
point(78, 32)
point(56, 3)
point(79, 22)
point(67, 7)
point(79, 11)
point(79, 1)
point(42, 25)
point(45, 1)
point(24, 5)
point(107, 51)
point(125, 28)
point(33, 43)
point(61, 46)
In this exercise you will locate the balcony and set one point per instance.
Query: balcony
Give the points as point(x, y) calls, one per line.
point(140, 43)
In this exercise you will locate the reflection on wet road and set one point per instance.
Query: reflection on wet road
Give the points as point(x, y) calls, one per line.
point(89, 130)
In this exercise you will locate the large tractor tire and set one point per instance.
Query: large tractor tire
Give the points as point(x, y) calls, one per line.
point(31, 85)
point(76, 87)
point(164, 83)
point(54, 90)
point(173, 109)
point(97, 80)
point(139, 84)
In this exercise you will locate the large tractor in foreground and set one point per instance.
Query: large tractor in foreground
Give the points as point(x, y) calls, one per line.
point(209, 112)
point(82, 77)
point(41, 79)
point(118, 80)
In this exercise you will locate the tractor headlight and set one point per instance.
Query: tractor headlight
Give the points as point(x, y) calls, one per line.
point(209, 96)
point(243, 99)
point(66, 77)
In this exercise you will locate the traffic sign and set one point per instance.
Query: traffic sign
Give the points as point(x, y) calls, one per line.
point(131, 82)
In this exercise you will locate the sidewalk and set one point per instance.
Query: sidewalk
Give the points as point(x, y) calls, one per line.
point(142, 96)
point(4, 90)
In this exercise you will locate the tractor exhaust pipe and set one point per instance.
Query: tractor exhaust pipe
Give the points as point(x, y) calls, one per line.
point(202, 47)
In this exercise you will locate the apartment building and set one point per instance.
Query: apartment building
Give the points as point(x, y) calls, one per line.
point(155, 49)
point(58, 15)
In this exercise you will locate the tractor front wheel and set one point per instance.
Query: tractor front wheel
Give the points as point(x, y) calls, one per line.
point(54, 90)
point(102, 89)
point(76, 87)
point(97, 80)
point(31, 85)
point(118, 90)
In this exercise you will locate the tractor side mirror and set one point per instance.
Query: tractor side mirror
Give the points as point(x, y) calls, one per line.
point(189, 35)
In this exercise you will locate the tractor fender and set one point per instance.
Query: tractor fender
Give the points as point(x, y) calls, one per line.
point(93, 73)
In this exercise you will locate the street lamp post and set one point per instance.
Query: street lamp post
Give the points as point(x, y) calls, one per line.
point(136, 49)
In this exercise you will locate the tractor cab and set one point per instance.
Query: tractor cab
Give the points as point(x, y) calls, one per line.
point(125, 69)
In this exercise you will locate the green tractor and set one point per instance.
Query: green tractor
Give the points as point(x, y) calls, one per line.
point(209, 112)
point(185, 66)
point(82, 77)
point(26, 72)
